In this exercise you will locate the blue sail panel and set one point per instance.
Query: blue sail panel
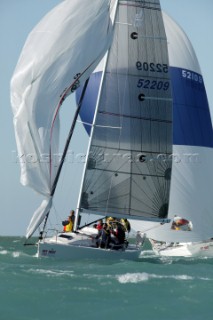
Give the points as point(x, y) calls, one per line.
point(191, 116)
point(192, 122)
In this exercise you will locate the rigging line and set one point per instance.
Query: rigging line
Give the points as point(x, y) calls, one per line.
point(62, 98)
point(69, 137)
point(66, 147)
point(159, 225)
point(135, 117)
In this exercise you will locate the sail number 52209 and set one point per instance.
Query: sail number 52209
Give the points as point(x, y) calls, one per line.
point(152, 67)
point(153, 84)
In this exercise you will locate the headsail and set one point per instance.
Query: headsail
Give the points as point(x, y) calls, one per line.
point(52, 65)
point(128, 169)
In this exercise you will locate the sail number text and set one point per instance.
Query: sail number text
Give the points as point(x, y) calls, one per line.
point(153, 84)
point(192, 76)
point(152, 67)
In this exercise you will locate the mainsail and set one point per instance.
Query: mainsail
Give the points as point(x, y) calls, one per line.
point(128, 164)
point(52, 65)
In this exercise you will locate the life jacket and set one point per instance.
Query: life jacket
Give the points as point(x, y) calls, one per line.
point(183, 221)
point(68, 227)
point(99, 226)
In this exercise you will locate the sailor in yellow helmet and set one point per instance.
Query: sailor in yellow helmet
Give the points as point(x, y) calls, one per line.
point(126, 224)
point(111, 222)
point(109, 219)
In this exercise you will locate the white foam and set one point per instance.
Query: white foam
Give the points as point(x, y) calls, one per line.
point(55, 273)
point(141, 277)
point(16, 254)
point(3, 252)
point(133, 277)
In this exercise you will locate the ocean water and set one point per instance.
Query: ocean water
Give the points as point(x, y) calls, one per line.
point(152, 288)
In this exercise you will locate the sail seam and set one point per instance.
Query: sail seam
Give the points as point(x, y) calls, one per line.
point(140, 151)
point(133, 117)
point(141, 6)
point(133, 174)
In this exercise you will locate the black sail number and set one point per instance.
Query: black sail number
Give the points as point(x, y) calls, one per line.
point(153, 84)
point(152, 67)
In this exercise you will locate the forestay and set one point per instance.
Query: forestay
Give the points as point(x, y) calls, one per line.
point(128, 166)
point(52, 65)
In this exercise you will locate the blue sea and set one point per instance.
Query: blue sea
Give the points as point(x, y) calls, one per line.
point(152, 288)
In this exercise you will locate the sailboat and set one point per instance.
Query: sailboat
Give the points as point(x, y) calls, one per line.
point(191, 175)
point(128, 165)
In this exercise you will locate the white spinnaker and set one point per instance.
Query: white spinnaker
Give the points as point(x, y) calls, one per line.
point(192, 174)
point(191, 195)
point(54, 53)
point(181, 51)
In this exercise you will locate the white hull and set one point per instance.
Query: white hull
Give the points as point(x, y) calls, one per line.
point(190, 249)
point(75, 246)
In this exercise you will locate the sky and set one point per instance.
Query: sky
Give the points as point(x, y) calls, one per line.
point(17, 19)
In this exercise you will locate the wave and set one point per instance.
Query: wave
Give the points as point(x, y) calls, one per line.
point(141, 277)
point(3, 252)
point(51, 273)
